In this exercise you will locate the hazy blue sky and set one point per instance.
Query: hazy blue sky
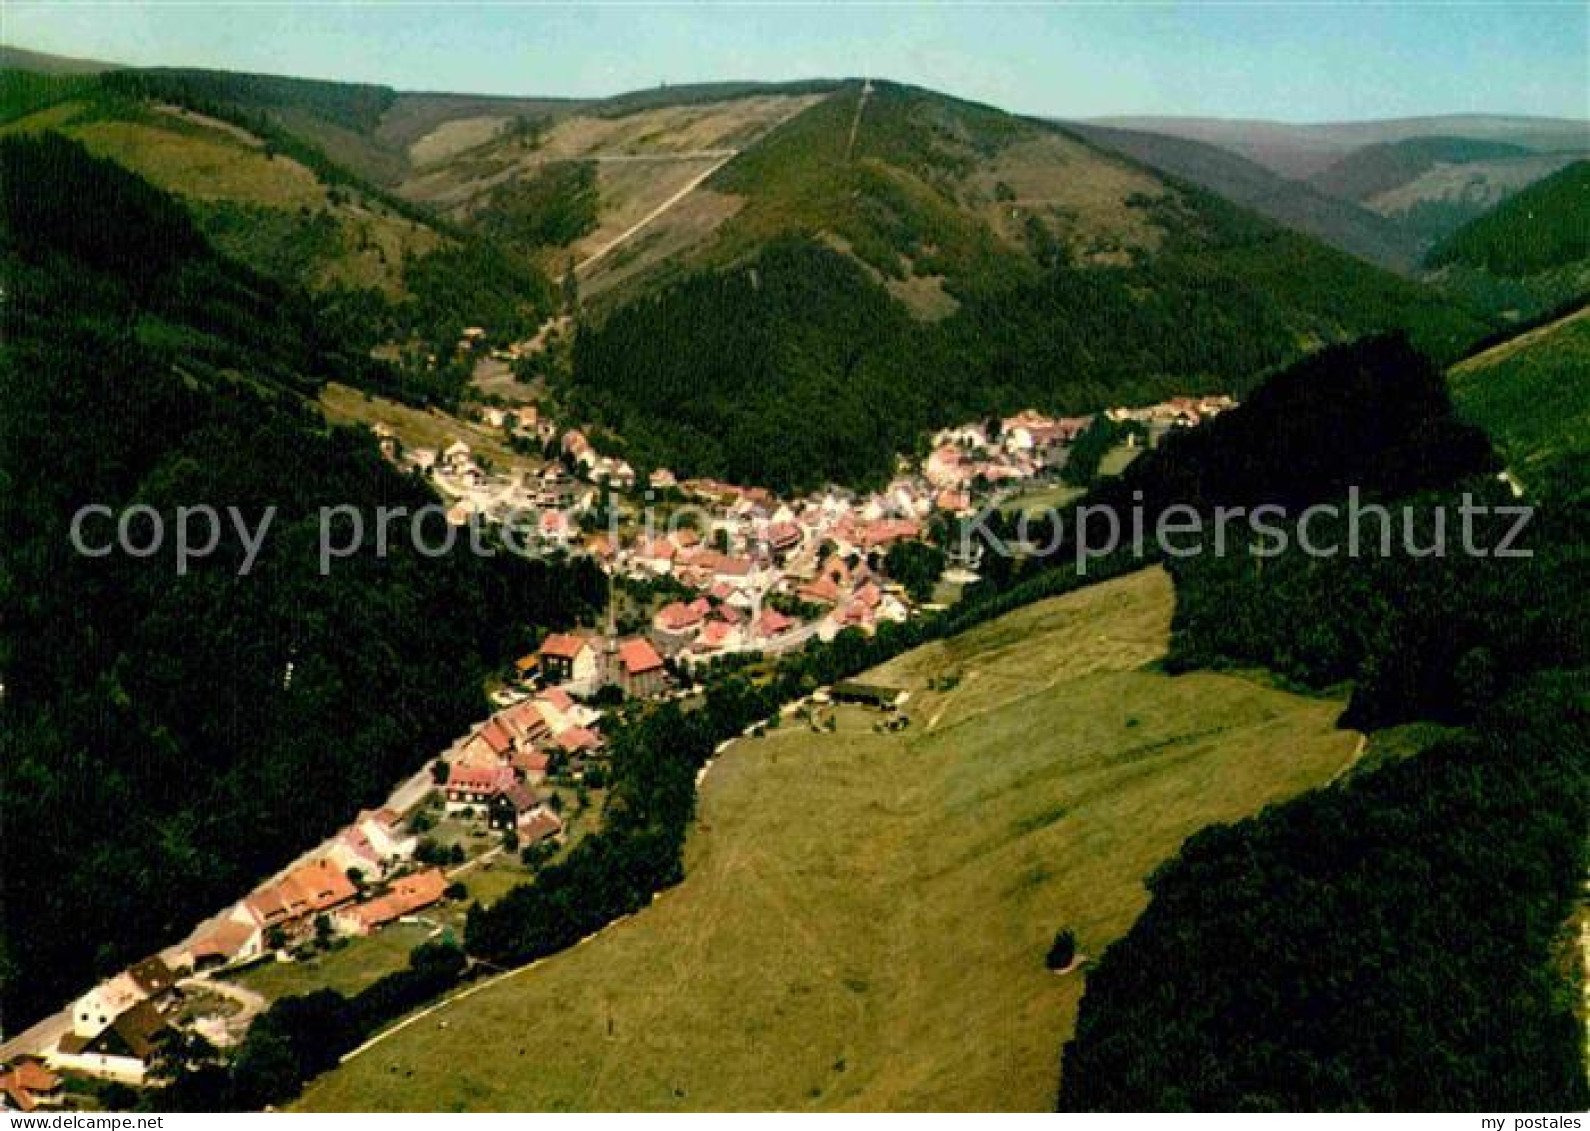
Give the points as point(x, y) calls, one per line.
point(1296, 61)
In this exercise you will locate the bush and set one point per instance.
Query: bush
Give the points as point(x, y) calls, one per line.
point(1063, 951)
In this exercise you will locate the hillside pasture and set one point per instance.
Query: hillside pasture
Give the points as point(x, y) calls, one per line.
point(865, 915)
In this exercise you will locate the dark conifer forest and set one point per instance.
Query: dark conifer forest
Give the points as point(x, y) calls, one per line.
point(168, 739)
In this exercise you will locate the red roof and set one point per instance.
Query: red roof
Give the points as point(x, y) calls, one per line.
point(496, 736)
point(715, 635)
point(823, 589)
point(579, 738)
point(773, 622)
point(557, 697)
point(563, 645)
point(783, 535)
point(531, 761)
point(677, 616)
point(523, 719)
point(315, 886)
point(539, 825)
point(478, 779)
point(25, 1078)
point(888, 530)
point(638, 657)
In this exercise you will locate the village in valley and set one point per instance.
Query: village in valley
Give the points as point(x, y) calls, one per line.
point(701, 574)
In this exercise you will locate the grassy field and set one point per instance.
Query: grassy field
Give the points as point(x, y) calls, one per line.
point(1530, 394)
point(865, 915)
point(209, 162)
point(1040, 500)
point(348, 969)
point(420, 428)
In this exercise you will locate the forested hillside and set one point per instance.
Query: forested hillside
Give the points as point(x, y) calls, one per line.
point(216, 724)
point(1527, 256)
point(801, 364)
point(1530, 394)
point(1543, 227)
point(1375, 169)
point(970, 261)
point(384, 271)
point(1341, 223)
point(1400, 940)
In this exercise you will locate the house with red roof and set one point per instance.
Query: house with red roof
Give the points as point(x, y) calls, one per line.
point(717, 634)
point(783, 539)
point(579, 740)
point(822, 590)
point(539, 825)
point(557, 698)
point(308, 890)
point(405, 896)
point(236, 938)
point(372, 843)
point(640, 669)
point(525, 721)
point(656, 556)
point(531, 765)
point(569, 658)
point(774, 625)
point(677, 623)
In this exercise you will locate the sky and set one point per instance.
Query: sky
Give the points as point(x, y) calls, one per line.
point(1288, 60)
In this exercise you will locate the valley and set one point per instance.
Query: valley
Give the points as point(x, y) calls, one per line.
point(803, 799)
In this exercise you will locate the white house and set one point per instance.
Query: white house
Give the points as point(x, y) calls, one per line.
point(98, 1009)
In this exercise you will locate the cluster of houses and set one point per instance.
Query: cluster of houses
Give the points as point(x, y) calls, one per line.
point(501, 769)
point(763, 573)
point(1178, 412)
point(118, 1025)
point(355, 883)
point(345, 881)
point(974, 458)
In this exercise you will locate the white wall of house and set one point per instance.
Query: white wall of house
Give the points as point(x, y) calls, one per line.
point(122, 1069)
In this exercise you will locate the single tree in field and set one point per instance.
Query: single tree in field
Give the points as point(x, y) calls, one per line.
point(1063, 951)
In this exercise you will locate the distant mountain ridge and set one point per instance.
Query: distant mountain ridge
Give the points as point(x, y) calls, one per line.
point(1295, 204)
point(783, 283)
point(1301, 150)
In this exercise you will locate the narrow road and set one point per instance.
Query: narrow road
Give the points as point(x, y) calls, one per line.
point(723, 156)
point(38, 1037)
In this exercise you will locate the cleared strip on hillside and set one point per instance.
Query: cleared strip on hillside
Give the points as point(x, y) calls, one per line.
point(865, 914)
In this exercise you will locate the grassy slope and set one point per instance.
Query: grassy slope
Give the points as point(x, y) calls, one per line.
point(1531, 395)
point(865, 916)
point(463, 166)
point(214, 164)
